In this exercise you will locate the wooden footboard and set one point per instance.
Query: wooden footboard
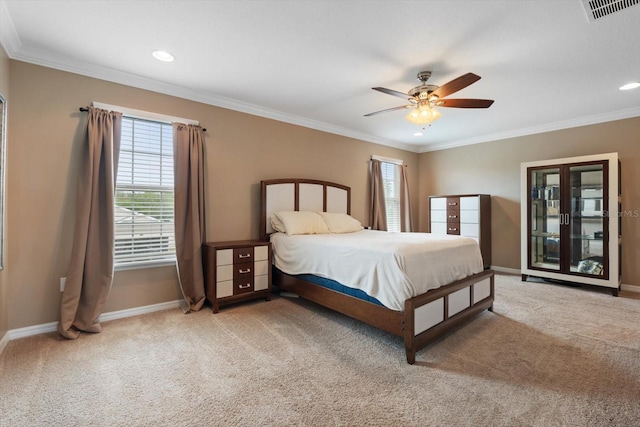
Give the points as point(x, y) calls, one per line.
point(425, 318)
point(433, 314)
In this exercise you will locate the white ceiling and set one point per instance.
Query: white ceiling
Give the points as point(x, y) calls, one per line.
point(314, 63)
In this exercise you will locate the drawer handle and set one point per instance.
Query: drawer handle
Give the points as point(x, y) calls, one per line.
point(244, 286)
point(453, 216)
point(246, 270)
point(452, 203)
point(244, 255)
point(453, 229)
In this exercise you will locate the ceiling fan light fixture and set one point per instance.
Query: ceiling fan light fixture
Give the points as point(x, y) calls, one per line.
point(423, 115)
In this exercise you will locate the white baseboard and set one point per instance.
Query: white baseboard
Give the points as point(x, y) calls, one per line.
point(505, 270)
point(4, 341)
point(105, 317)
point(630, 288)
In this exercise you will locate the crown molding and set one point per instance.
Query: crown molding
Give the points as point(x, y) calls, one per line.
point(547, 127)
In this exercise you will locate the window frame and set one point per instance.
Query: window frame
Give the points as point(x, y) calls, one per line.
point(396, 184)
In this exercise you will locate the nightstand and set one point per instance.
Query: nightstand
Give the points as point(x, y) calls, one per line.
point(236, 271)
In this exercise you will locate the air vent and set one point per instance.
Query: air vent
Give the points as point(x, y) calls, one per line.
point(597, 9)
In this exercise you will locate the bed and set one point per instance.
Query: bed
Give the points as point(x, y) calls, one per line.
point(427, 312)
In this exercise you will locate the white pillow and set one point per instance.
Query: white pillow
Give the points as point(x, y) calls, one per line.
point(277, 225)
point(340, 222)
point(300, 222)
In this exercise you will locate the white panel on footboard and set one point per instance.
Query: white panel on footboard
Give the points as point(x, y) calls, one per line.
point(481, 290)
point(280, 197)
point(337, 200)
point(428, 315)
point(459, 300)
point(311, 197)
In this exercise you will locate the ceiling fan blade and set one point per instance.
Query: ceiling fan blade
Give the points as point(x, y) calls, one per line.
point(456, 85)
point(465, 103)
point(391, 92)
point(402, 107)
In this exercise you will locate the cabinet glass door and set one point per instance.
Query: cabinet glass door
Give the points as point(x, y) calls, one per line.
point(588, 216)
point(544, 217)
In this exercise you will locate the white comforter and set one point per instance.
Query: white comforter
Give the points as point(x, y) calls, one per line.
point(390, 267)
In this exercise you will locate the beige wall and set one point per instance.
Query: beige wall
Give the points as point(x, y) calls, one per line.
point(4, 304)
point(46, 130)
point(494, 168)
point(240, 150)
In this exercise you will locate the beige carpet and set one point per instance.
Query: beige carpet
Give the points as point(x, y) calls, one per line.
point(549, 355)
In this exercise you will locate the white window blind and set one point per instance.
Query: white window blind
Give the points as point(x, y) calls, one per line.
point(144, 229)
point(391, 185)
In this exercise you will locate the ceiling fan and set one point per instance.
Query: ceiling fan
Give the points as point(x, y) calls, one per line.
point(422, 99)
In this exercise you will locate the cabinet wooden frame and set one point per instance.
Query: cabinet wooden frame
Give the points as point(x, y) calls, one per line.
point(611, 205)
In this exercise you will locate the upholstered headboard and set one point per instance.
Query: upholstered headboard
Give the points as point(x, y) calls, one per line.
point(294, 194)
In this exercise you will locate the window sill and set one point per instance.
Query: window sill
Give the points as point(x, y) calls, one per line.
point(141, 265)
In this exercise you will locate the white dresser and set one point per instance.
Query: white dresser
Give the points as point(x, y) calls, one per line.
point(466, 215)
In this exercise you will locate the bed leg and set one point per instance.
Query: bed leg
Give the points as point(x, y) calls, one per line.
point(411, 357)
point(490, 308)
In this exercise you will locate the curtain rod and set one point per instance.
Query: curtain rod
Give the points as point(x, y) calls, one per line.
point(85, 109)
point(387, 159)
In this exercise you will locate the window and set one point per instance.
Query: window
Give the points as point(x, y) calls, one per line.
point(144, 219)
point(391, 185)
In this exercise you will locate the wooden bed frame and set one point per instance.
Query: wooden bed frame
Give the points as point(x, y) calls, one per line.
point(425, 317)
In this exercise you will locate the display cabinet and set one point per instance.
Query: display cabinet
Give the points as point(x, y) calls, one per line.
point(571, 228)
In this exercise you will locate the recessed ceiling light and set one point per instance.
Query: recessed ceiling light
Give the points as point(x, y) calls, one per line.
point(162, 55)
point(629, 86)
point(418, 134)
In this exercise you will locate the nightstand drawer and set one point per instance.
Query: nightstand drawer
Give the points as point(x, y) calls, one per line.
point(242, 272)
point(224, 289)
point(224, 273)
point(243, 286)
point(241, 255)
point(261, 282)
point(224, 256)
point(261, 268)
point(261, 253)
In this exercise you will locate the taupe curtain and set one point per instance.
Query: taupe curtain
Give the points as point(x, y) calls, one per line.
point(406, 223)
point(377, 212)
point(188, 158)
point(90, 271)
